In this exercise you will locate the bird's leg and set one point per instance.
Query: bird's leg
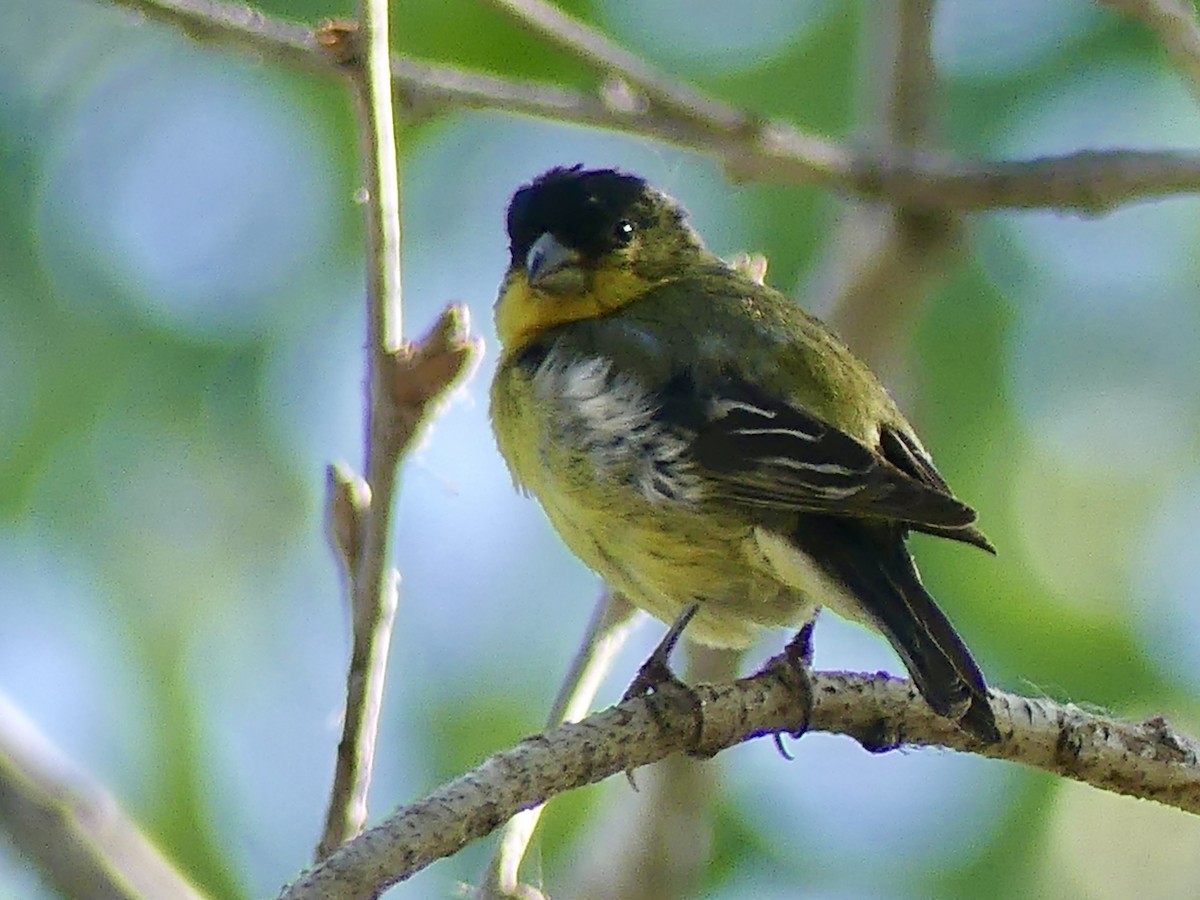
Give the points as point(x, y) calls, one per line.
point(795, 664)
point(656, 671)
point(799, 650)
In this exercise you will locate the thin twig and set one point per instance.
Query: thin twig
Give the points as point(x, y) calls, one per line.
point(374, 587)
point(1174, 24)
point(1088, 181)
point(405, 383)
point(72, 828)
point(416, 379)
point(611, 58)
point(606, 633)
point(1149, 760)
point(217, 22)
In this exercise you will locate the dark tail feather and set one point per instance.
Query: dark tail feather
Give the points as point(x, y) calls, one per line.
point(874, 566)
point(949, 672)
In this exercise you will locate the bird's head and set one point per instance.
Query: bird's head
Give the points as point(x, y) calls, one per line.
point(585, 243)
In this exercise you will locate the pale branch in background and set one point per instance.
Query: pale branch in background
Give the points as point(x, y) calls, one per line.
point(657, 843)
point(1089, 181)
point(610, 624)
point(884, 258)
point(1174, 24)
point(1148, 760)
point(234, 25)
point(658, 89)
point(72, 828)
point(905, 80)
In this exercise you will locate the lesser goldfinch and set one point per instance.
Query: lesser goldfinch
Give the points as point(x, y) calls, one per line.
point(698, 439)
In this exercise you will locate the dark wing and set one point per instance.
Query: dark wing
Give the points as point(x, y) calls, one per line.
point(909, 457)
point(759, 450)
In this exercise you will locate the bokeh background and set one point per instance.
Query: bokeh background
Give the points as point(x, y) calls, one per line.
point(181, 332)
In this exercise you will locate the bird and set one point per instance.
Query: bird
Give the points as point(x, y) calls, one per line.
point(715, 453)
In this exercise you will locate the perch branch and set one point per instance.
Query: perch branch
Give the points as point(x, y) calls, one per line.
point(1148, 760)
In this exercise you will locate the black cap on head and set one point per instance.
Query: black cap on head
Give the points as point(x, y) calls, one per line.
point(581, 208)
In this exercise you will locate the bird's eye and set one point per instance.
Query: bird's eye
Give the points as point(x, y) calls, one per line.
point(623, 232)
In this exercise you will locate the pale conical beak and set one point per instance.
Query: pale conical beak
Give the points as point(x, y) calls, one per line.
point(548, 258)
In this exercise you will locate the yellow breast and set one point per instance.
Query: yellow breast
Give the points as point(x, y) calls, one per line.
point(606, 482)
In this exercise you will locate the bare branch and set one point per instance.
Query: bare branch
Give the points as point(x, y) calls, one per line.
point(374, 588)
point(594, 48)
point(413, 381)
point(404, 384)
point(1089, 181)
point(217, 22)
point(1149, 760)
point(1174, 23)
point(72, 828)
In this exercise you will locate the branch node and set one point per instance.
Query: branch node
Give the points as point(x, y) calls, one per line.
point(420, 374)
point(622, 98)
point(1169, 741)
point(880, 736)
point(341, 40)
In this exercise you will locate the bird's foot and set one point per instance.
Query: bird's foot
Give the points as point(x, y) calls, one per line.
point(656, 677)
point(794, 665)
point(656, 673)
